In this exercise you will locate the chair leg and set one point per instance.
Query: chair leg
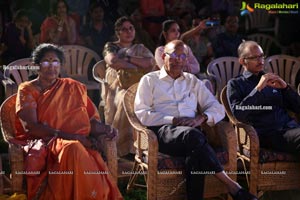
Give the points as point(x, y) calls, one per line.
point(132, 177)
point(1, 177)
point(136, 171)
point(245, 170)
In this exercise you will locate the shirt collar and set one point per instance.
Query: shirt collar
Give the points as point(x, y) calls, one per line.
point(248, 74)
point(164, 74)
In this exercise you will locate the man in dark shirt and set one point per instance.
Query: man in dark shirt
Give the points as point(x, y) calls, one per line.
point(262, 100)
point(97, 32)
point(225, 44)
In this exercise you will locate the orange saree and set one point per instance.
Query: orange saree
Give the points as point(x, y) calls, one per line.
point(72, 171)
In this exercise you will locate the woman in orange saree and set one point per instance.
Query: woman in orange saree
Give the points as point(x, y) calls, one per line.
point(57, 116)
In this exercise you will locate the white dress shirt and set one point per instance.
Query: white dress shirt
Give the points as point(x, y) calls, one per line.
point(160, 98)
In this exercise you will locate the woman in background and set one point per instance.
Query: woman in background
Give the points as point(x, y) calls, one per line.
point(17, 39)
point(171, 31)
point(119, 56)
point(59, 28)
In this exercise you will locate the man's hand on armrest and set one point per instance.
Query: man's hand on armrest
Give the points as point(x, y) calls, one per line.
point(189, 121)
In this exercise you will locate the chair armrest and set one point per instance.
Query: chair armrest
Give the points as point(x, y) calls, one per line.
point(248, 139)
point(16, 157)
point(10, 87)
point(110, 150)
point(228, 137)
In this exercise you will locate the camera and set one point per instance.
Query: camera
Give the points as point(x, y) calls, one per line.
point(211, 23)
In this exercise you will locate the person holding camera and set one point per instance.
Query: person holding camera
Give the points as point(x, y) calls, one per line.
point(198, 41)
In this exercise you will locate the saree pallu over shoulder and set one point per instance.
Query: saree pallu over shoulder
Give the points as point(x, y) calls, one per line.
point(72, 171)
point(63, 106)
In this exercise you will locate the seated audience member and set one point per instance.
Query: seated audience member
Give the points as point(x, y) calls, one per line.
point(199, 43)
point(59, 28)
point(57, 116)
point(141, 35)
point(96, 33)
point(166, 102)
point(17, 38)
point(213, 31)
point(171, 31)
point(226, 44)
point(255, 87)
point(123, 57)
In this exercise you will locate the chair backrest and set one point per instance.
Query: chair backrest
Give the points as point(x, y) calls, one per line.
point(268, 43)
point(285, 66)
point(79, 60)
point(19, 70)
point(128, 104)
point(260, 19)
point(99, 70)
point(222, 70)
point(8, 117)
point(224, 101)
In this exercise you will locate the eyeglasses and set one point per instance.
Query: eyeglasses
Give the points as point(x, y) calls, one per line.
point(47, 63)
point(130, 28)
point(173, 55)
point(260, 57)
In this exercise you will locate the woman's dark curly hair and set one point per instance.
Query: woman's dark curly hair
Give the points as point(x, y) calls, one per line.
point(119, 22)
point(40, 51)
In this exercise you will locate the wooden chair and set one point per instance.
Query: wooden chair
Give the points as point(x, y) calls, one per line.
point(15, 151)
point(263, 164)
point(287, 67)
point(269, 44)
point(99, 70)
point(260, 21)
point(221, 70)
point(15, 73)
point(164, 175)
point(78, 64)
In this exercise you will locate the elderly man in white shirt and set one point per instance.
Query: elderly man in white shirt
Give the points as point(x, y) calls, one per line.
point(167, 102)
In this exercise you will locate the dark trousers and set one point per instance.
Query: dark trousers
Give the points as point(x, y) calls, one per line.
point(285, 141)
point(192, 144)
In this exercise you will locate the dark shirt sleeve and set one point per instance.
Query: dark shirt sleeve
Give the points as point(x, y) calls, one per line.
point(291, 99)
point(237, 99)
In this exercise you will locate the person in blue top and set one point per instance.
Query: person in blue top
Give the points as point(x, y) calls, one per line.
point(262, 99)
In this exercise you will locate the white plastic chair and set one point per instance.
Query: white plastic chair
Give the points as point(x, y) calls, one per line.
point(260, 21)
point(15, 73)
point(222, 70)
point(267, 42)
point(287, 67)
point(99, 71)
point(79, 60)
